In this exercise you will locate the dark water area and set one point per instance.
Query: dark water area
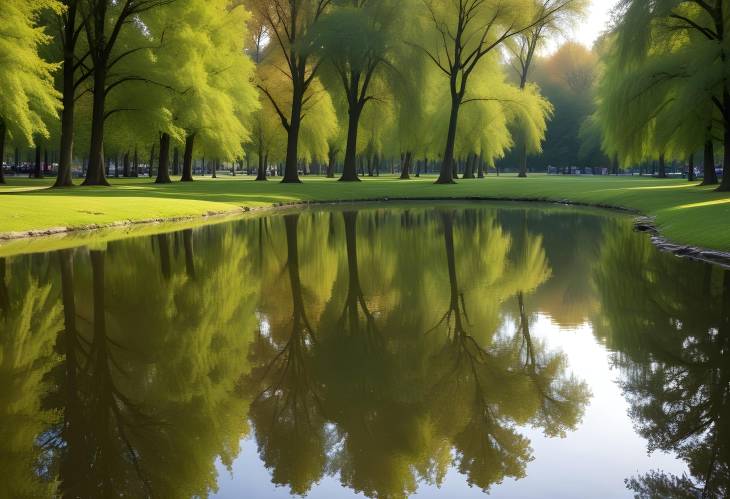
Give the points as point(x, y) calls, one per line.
point(443, 350)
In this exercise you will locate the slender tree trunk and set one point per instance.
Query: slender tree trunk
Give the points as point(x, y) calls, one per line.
point(188, 245)
point(95, 174)
point(331, 164)
point(349, 171)
point(125, 165)
point(405, 170)
point(152, 160)
point(116, 165)
point(710, 176)
point(37, 170)
point(662, 167)
point(2, 151)
point(691, 168)
point(163, 168)
point(447, 167)
point(725, 183)
point(261, 173)
point(480, 172)
point(187, 171)
point(176, 162)
point(135, 163)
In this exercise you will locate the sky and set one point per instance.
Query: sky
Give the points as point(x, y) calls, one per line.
point(588, 30)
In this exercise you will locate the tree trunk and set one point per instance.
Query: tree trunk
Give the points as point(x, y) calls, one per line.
point(152, 161)
point(331, 164)
point(405, 170)
point(291, 175)
point(469, 169)
point(2, 151)
point(691, 168)
point(480, 168)
point(95, 174)
point(176, 162)
point(37, 171)
point(710, 176)
point(125, 165)
point(725, 183)
point(116, 166)
point(447, 167)
point(662, 167)
point(261, 173)
point(349, 170)
point(187, 171)
point(135, 163)
point(163, 168)
point(68, 102)
point(523, 159)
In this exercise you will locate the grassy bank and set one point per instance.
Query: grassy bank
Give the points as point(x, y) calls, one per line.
point(685, 213)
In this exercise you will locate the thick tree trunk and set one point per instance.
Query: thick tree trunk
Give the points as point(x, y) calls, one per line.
point(37, 169)
point(405, 170)
point(95, 174)
point(187, 171)
point(710, 176)
point(68, 102)
point(523, 159)
point(163, 168)
point(291, 175)
point(447, 167)
point(469, 169)
point(2, 151)
point(662, 167)
point(349, 171)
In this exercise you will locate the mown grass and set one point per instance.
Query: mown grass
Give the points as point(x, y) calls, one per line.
point(685, 213)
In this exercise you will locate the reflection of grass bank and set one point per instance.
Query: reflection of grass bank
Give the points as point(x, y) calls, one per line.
point(684, 212)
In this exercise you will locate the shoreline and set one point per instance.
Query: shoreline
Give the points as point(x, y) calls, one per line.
point(642, 223)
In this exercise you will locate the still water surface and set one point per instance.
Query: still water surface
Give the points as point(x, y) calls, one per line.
point(430, 351)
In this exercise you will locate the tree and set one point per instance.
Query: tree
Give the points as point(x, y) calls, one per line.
point(359, 41)
point(106, 24)
point(291, 23)
point(526, 44)
point(28, 96)
point(461, 33)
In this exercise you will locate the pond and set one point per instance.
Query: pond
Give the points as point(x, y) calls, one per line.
point(435, 350)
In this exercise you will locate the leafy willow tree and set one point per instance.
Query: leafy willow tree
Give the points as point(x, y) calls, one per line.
point(204, 77)
point(112, 35)
point(27, 94)
point(524, 46)
point(666, 67)
point(291, 24)
point(459, 35)
point(360, 40)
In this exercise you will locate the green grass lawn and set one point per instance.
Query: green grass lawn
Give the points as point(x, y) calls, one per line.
point(685, 213)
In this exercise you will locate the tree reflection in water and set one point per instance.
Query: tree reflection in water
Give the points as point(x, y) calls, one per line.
point(674, 350)
point(379, 347)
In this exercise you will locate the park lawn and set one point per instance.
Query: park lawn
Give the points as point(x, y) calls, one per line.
point(685, 213)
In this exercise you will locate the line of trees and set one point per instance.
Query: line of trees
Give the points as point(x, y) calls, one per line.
point(260, 82)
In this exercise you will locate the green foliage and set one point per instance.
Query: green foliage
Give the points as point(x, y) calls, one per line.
point(28, 99)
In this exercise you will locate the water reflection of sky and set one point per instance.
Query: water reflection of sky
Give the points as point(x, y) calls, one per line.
point(602, 452)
